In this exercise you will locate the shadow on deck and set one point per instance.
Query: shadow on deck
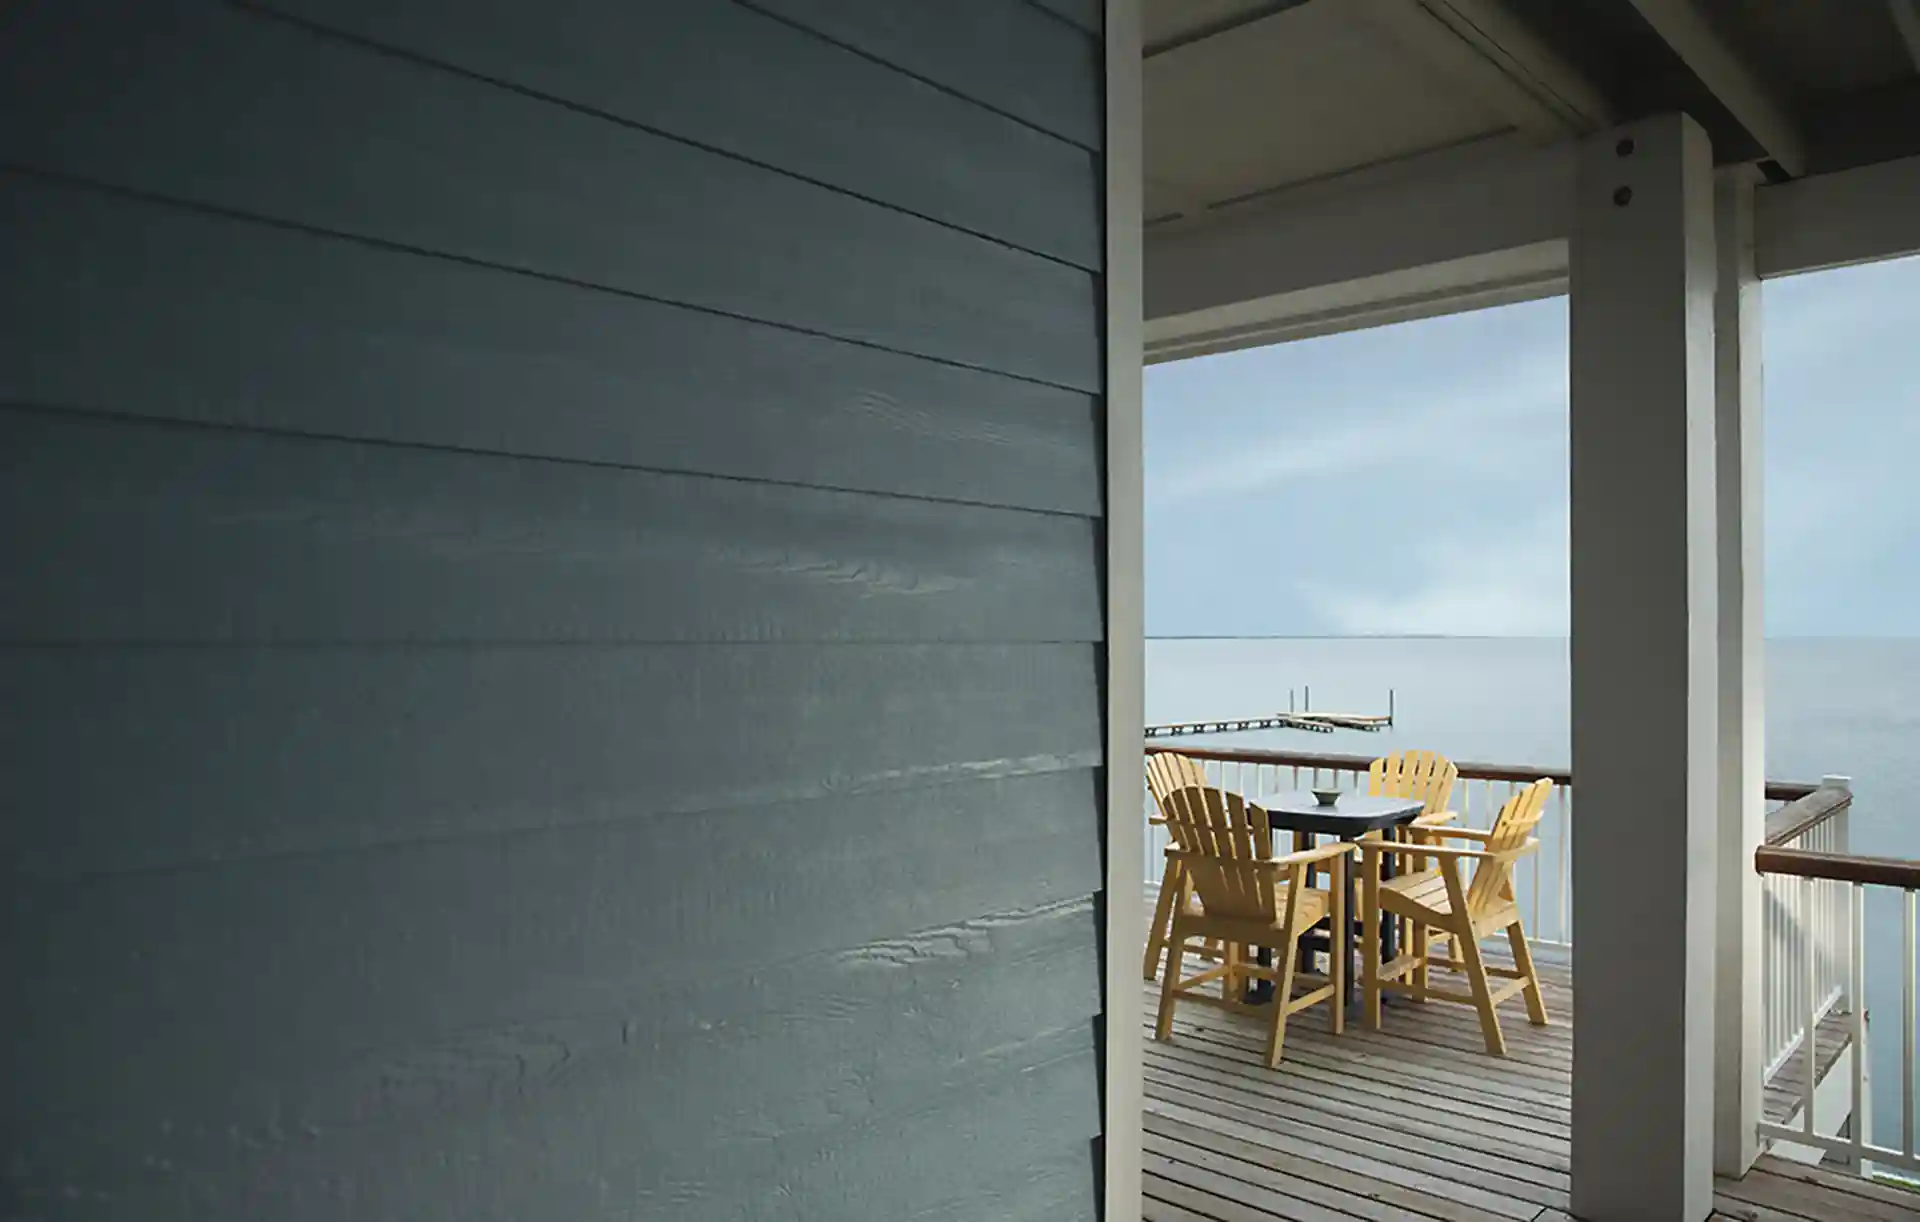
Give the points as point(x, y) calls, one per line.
point(1412, 1121)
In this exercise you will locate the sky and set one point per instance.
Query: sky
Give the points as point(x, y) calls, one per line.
point(1413, 479)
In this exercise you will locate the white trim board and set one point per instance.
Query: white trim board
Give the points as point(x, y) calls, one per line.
point(1125, 923)
point(1484, 224)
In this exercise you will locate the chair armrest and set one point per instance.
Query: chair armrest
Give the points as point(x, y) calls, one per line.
point(1274, 865)
point(1368, 848)
point(1338, 848)
point(1436, 819)
point(1458, 833)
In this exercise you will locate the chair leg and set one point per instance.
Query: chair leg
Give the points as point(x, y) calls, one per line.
point(1231, 986)
point(1176, 951)
point(1523, 959)
point(1282, 1001)
point(1422, 948)
point(1162, 918)
point(1370, 949)
point(1482, 993)
point(1336, 962)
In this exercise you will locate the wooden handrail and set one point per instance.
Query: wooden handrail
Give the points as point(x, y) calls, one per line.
point(1804, 814)
point(1777, 791)
point(1838, 867)
point(1353, 763)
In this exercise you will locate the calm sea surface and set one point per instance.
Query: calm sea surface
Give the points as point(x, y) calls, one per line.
point(1846, 707)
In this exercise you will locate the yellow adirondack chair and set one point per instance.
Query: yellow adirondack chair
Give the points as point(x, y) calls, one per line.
point(1443, 905)
point(1248, 898)
point(1426, 775)
point(1167, 773)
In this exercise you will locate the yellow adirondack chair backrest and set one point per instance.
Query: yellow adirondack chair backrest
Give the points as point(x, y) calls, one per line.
point(1221, 838)
point(1169, 771)
point(1492, 880)
point(1426, 775)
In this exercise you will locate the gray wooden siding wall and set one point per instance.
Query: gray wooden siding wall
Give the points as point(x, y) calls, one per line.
point(551, 609)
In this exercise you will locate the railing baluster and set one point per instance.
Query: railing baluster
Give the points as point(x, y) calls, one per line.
point(1856, 1017)
point(1906, 1029)
point(1810, 1056)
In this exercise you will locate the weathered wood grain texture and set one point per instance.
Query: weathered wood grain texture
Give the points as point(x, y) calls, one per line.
point(222, 752)
point(1006, 54)
point(238, 111)
point(124, 306)
point(708, 77)
point(169, 533)
point(552, 656)
point(552, 1028)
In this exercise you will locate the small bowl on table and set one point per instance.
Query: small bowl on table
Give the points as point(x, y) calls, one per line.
point(1325, 797)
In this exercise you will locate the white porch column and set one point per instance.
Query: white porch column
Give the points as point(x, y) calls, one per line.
point(1738, 1016)
point(1644, 652)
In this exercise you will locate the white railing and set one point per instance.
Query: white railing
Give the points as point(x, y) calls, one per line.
point(1543, 882)
point(1817, 899)
point(1805, 936)
point(1813, 955)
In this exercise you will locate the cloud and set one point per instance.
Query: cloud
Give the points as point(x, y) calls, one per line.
point(1406, 428)
point(1375, 482)
point(1509, 581)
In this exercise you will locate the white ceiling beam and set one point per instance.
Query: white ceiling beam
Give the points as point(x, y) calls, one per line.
point(1476, 282)
point(1423, 236)
point(1444, 232)
point(1837, 220)
point(1751, 101)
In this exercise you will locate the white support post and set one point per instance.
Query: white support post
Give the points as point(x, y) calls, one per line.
point(1645, 657)
point(1125, 927)
point(1739, 1042)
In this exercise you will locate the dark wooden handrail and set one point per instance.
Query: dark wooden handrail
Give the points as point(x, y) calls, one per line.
point(1777, 791)
point(1804, 814)
point(1838, 867)
point(1354, 763)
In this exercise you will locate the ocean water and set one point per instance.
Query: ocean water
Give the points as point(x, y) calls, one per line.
point(1834, 707)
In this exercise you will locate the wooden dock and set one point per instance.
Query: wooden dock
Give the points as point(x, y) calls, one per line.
point(1305, 719)
point(1277, 721)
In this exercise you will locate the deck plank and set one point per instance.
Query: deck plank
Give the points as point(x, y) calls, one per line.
point(1412, 1121)
point(1267, 1167)
point(1793, 1195)
point(1841, 1182)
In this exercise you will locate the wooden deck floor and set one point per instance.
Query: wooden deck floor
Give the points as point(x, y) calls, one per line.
point(1413, 1121)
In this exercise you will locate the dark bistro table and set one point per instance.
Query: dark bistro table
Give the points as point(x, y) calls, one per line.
point(1351, 817)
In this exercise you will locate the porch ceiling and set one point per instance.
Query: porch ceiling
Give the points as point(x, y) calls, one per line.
point(1294, 94)
point(1245, 98)
point(1318, 165)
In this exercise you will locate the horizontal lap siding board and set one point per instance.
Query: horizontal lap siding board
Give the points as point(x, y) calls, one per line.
point(528, 1002)
point(552, 654)
point(164, 532)
point(117, 305)
point(1011, 55)
point(267, 751)
point(710, 76)
point(205, 99)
